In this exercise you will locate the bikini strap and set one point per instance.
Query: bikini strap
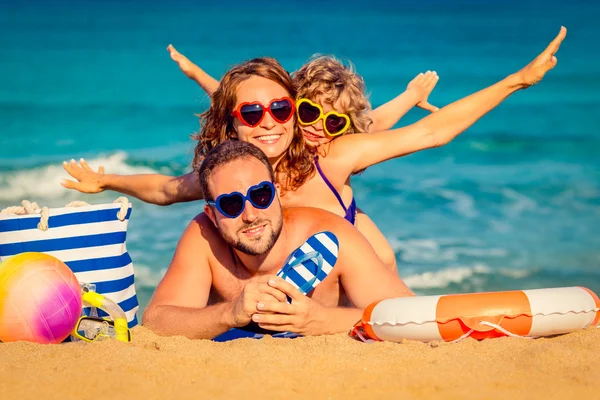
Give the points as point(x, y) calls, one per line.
point(335, 192)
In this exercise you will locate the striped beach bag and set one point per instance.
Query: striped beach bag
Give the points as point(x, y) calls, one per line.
point(90, 239)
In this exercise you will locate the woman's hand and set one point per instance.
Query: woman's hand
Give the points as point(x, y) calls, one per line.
point(88, 180)
point(185, 65)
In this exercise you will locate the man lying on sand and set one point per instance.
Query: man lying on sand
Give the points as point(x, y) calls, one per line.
point(222, 275)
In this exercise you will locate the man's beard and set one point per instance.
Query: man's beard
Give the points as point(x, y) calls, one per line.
point(247, 248)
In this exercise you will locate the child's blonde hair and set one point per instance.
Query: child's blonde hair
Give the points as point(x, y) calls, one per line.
point(325, 79)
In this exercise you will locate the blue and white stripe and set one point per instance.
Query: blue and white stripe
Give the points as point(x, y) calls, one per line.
point(299, 273)
point(91, 240)
point(309, 263)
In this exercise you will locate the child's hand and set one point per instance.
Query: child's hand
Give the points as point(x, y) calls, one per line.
point(423, 84)
point(535, 70)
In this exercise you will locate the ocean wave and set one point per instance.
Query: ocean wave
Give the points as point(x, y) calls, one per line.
point(457, 275)
point(518, 202)
point(582, 143)
point(478, 277)
point(42, 183)
point(147, 277)
point(462, 203)
point(441, 250)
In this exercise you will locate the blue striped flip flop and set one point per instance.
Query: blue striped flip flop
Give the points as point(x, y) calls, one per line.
point(305, 268)
point(310, 263)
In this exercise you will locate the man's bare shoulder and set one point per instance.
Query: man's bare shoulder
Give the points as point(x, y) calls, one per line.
point(202, 239)
point(202, 227)
point(202, 220)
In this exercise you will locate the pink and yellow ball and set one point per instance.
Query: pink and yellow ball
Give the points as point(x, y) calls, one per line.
point(40, 299)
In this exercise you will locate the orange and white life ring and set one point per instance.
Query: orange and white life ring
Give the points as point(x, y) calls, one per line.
point(523, 313)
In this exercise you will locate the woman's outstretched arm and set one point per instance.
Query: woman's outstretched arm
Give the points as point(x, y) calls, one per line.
point(194, 72)
point(151, 188)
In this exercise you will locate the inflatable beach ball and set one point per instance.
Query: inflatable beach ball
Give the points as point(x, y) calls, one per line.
point(40, 299)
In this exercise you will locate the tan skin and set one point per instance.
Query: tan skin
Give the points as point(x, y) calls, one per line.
point(342, 156)
point(351, 153)
point(210, 288)
point(346, 155)
point(183, 188)
point(314, 191)
point(384, 117)
point(418, 91)
point(273, 138)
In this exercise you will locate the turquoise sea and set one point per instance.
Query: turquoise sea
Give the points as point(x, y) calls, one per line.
point(512, 203)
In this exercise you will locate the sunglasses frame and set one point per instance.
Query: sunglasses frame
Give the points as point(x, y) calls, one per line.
point(216, 202)
point(237, 113)
point(322, 116)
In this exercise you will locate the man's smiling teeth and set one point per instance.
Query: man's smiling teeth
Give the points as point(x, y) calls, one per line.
point(256, 231)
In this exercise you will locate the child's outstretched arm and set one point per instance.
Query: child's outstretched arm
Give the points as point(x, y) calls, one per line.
point(194, 72)
point(437, 129)
point(385, 117)
point(151, 188)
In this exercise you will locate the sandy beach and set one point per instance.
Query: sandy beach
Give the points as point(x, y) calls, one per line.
point(328, 367)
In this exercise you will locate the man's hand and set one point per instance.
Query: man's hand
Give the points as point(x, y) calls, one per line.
point(257, 290)
point(88, 180)
point(303, 316)
point(423, 84)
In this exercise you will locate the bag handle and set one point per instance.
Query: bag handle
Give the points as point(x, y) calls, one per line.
point(28, 208)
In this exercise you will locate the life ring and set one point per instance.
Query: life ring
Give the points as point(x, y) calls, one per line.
point(523, 313)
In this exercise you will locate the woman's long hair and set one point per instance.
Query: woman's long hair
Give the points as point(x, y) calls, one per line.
point(297, 164)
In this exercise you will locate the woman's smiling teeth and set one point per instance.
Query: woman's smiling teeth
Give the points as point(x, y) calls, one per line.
point(268, 139)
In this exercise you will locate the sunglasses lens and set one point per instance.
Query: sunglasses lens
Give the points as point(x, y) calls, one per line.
point(262, 196)
point(335, 124)
point(281, 110)
point(308, 113)
point(231, 205)
point(252, 113)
